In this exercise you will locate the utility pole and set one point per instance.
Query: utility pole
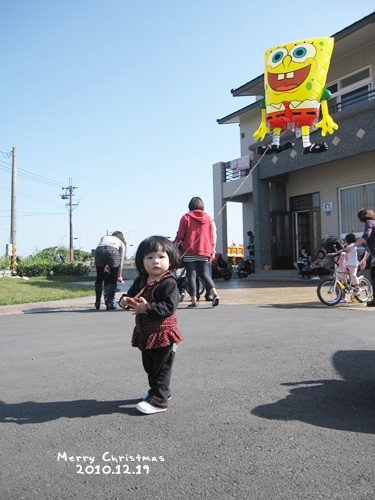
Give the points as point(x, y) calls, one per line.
point(68, 195)
point(13, 212)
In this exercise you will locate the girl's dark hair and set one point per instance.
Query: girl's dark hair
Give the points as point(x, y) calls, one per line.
point(196, 203)
point(350, 238)
point(366, 214)
point(154, 244)
point(119, 235)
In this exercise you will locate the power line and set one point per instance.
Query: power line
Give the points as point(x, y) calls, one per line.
point(32, 197)
point(30, 175)
point(31, 214)
point(6, 155)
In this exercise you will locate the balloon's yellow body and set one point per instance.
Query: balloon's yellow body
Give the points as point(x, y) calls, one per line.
point(295, 93)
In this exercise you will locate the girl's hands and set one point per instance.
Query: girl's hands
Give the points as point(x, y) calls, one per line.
point(136, 306)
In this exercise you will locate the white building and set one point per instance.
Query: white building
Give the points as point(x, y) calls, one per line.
point(292, 199)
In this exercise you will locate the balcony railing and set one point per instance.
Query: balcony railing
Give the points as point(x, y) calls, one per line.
point(348, 102)
point(232, 175)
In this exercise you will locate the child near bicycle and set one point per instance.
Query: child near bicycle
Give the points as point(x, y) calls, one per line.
point(342, 273)
point(348, 263)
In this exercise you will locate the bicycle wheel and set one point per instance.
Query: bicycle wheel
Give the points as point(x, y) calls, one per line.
point(365, 290)
point(329, 292)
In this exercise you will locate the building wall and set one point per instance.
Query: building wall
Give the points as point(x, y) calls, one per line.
point(327, 180)
point(248, 126)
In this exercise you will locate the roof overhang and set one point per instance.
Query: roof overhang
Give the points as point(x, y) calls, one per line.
point(235, 117)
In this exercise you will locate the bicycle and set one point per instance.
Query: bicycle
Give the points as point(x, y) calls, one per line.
point(331, 290)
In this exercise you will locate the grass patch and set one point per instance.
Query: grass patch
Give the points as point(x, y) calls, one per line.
point(41, 289)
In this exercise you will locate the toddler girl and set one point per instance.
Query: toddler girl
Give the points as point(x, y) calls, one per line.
point(153, 298)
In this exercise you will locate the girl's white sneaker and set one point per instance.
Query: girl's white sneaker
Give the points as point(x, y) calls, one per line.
point(145, 407)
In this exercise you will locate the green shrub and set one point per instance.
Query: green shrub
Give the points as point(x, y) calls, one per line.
point(82, 256)
point(33, 266)
point(43, 263)
point(51, 253)
point(4, 263)
point(48, 254)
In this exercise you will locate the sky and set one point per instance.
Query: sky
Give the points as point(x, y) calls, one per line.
point(121, 98)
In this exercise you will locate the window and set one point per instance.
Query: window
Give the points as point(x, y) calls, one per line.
point(352, 199)
point(304, 202)
point(350, 91)
point(354, 97)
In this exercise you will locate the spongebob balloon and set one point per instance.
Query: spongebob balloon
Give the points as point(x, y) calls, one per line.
point(294, 80)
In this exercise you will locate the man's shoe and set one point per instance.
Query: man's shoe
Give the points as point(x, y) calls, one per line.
point(370, 303)
point(147, 409)
point(193, 305)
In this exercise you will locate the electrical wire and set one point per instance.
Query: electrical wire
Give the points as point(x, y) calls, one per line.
point(32, 197)
point(30, 175)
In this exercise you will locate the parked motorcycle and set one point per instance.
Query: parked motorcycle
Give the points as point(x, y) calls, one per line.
point(244, 268)
point(247, 266)
point(220, 268)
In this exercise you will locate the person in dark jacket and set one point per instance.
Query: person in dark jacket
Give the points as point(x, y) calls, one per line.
point(154, 298)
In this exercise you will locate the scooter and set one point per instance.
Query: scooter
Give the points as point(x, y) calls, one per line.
point(247, 266)
point(244, 268)
point(220, 268)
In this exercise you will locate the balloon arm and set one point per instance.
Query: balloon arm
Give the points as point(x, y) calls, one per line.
point(327, 123)
point(262, 129)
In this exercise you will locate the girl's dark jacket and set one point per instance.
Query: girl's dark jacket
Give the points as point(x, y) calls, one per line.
point(158, 326)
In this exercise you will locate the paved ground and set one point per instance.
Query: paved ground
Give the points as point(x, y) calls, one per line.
point(273, 398)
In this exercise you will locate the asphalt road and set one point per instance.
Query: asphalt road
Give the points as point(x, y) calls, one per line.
point(272, 400)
